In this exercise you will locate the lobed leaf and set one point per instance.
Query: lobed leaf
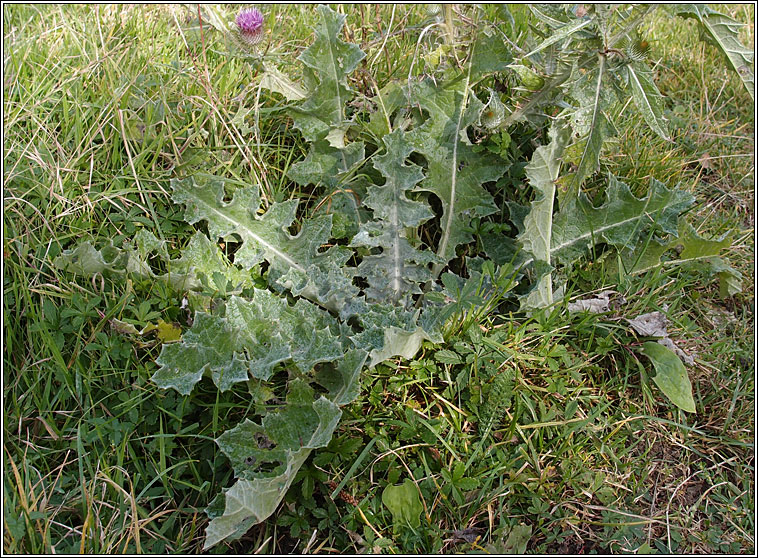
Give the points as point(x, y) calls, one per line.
point(395, 273)
point(691, 247)
point(724, 32)
point(200, 260)
point(620, 222)
point(536, 237)
point(489, 54)
point(589, 123)
point(274, 80)
point(390, 331)
point(249, 340)
point(296, 262)
point(647, 98)
point(321, 115)
point(249, 502)
point(455, 172)
point(284, 438)
point(327, 63)
point(561, 33)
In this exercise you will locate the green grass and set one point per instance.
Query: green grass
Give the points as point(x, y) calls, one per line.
point(545, 430)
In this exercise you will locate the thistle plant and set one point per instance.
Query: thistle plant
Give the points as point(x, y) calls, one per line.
point(366, 284)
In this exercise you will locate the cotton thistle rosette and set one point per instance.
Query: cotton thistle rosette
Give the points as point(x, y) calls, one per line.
point(250, 27)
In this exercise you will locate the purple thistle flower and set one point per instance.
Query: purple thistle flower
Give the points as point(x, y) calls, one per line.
point(250, 26)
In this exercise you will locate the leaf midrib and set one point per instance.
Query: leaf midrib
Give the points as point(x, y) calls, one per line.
point(649, 107)
point(581, 171)
point(594, 232)
point(241, 228)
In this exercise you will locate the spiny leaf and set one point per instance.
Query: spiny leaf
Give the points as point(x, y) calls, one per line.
point(326, 166)
point(250, 339)
point(589, 123)
point(455, 173)
point(692, 248)
point(388, 100)
point(730, 280)
point(302, 422)
point(199, 261)
point(502, 249)
point(296, 262)
point(274, 80)
point(331, 170)
point(553, 15)
point(207, 346)
point(647, 98)
point(393, 331)
point(396, 272)
point(560, 34)
point(489, 54)
point(321, 116)
point(249, 502)
point(724, 31)
point(263, 238)
point(328, 61)
point(342, 379)
point(536, 237)
point(533, 108)
point(621, 221)
point(284, 439)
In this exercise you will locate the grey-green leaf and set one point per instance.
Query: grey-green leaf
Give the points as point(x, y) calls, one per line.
point(562, 33)
point(489, 54)
point(328, 62)
point(647, 97)
point(394, 331)
point(590, 123)
point(621, 221)
point(536, 237)
point(342, 379)
point(285, 438)
point(274, 80)
point(455, 173)
point(253, 337)
point(249, 502)
point(199, 261)
point(671, 375)
point(209, 345)
point(399, 269)
point(331, 162)
point(296, 262)
point(724, 31)
point(691, 247)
